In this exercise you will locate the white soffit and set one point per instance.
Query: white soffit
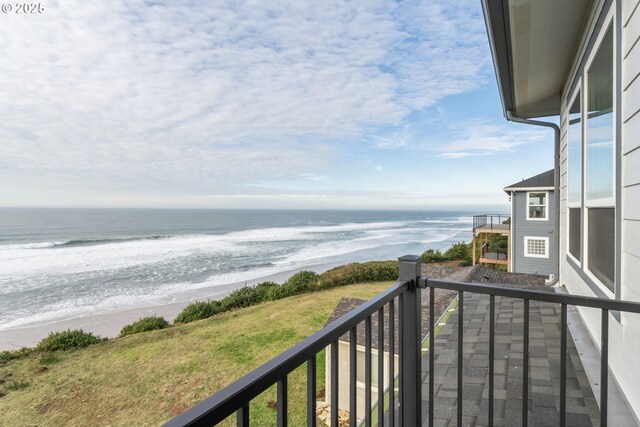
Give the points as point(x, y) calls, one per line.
point(544, 37)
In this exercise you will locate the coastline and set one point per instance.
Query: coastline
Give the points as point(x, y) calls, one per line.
point(109, 324)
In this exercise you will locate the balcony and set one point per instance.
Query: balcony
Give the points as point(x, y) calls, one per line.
point(492, 232)
point(496, 356)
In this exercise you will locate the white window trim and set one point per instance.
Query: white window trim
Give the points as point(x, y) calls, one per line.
point(572, 205)
point(526, 245)
point(546, 206)
point(608, 202)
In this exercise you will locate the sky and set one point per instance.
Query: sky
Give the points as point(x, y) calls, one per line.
point(257, 104)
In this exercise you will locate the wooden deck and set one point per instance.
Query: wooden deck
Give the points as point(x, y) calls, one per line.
point(493, 228)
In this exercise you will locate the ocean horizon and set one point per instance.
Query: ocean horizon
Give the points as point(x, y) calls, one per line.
point(63, 263)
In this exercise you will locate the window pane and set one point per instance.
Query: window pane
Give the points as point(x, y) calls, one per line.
point(537, 212)
point(601, 244)
point(600, 122)
point(575, 152)
point(537, 199)
point(575, 237)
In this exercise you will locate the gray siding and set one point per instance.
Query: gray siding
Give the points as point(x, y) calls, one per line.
point(522, 227)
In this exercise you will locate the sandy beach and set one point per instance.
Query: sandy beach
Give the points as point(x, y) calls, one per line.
point(109, 324)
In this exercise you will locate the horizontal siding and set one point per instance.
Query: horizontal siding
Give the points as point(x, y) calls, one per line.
point(631, 132)
point(629, 244)
point(631, 170)
point(631, 34)
point(631, 202)
point(628, 7)
point(630, 277)
point(631, 67)
point(523, 228)
point(631, 100)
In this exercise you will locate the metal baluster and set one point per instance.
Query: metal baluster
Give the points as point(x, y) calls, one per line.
point(604, 367)
point(242, 416)
point(353, 371)
point(282, 402)
point(367, 372)
point(311, 392)
point(381, 366)
point(334, 383)
point(432, 331)
point(392, 391)
point(460, 353)
point(492, 355)
point(401, 328)
point(525, 366)
point(563, 365)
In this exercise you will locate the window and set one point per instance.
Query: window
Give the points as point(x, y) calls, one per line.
point(599, 165)
point(536, 247)
point(537, 204)
point(574, 199)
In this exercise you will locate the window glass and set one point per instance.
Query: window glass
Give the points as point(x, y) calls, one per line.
point(537, 205)
point(602, 244)
point(535, 247)
point(600, 123)
point(575, 152)
point(575, 235)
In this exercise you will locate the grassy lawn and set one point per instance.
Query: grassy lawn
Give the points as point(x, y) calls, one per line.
point(148, 378)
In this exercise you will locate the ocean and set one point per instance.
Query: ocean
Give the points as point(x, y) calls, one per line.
point(58, 264)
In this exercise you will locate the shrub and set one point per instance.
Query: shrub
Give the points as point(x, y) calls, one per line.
point(266, 290)
point(9, 355)
point(67, 340)
point(459, 251)
point(199, 310)
point(150, 323)
point(431, 256)
point(302, 281)
point(374, 271)
point(246, 296)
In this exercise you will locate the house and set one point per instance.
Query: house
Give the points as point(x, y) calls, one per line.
point(533, 229)
point(578, 61)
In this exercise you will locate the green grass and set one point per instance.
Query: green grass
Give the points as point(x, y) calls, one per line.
point(148, 378)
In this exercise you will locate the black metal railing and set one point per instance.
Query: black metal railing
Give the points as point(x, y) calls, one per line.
point(603, 304)
point(237, 396)
point(493, 253)
point(406, 404)
point(491, 221)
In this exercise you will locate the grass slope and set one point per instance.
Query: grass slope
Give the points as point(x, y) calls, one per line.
point(148, 378)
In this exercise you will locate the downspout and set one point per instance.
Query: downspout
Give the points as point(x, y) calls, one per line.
point(556, 179)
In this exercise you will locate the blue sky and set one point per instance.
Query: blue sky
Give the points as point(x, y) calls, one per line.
point(372, 105)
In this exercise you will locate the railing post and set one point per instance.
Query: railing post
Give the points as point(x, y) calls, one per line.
point(410, 316)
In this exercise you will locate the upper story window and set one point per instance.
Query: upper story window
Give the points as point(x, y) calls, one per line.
point(537, 204)
point(599, 165)
point(574, 199)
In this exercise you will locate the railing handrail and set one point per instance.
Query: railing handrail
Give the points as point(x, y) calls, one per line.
point(542, 296)
point(231, 398)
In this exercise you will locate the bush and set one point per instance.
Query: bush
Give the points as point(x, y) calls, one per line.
point(266, 290)
point(432, 255)
point(145, 324)
point(67, 340)
point(246, 296)
point(199, 310)
point(303, 281)
point(459, 251)
point(9, 355)
point(374, 271)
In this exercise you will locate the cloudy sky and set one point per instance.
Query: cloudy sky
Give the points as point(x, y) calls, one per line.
point(265, 104)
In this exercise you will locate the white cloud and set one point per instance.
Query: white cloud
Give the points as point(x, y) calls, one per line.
point(189, 98)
